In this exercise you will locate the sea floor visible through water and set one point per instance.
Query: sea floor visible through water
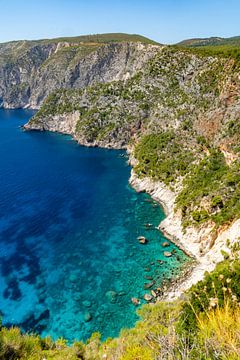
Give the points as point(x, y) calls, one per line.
point(70, 260)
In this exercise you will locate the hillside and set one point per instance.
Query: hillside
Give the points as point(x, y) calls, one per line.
point(179, 118)
point(31, 70)
point(212, 41)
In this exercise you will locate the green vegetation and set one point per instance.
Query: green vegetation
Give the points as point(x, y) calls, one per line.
point(212, 41)
point(217, 288)
point(102, 38)
point(206, 325)
point(70, 55)
point(211, 187)
point(171, 111)
point(60, 102)
point(11, 51)
point(230, 52)
point(217, 47)
point(162, 157)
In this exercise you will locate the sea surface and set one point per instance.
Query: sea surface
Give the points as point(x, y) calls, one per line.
point(70, 261)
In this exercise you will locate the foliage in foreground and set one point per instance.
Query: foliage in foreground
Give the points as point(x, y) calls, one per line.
point(204, 326)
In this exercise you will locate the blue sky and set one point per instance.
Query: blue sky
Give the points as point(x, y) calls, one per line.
point(166, 21)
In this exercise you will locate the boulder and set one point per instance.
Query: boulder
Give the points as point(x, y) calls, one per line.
point(153, 293)
point(165, 244)
point(142, 240)
point(147, 297)
point(149, 285)
point(135, 301)
point(167, 254)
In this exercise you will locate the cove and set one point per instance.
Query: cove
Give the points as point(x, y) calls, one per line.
point(70, 261)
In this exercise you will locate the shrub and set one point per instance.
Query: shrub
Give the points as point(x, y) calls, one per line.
point(162, 157)
point(217, 287)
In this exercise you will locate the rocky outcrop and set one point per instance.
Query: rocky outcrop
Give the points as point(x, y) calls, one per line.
point(62, 124)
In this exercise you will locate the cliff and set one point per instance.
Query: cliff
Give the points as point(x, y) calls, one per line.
point(176, 111)
point(31, 70)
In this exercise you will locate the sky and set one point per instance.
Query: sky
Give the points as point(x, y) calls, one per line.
point(165, 21)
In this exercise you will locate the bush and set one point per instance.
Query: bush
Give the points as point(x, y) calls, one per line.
point(219, 286)
point(162, 157)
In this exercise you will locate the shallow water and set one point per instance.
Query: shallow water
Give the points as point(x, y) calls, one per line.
point(69, 224)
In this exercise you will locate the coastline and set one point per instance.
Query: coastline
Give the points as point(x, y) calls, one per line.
point(204, 244)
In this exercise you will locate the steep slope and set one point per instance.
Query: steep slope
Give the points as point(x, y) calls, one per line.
point(174, 91)
point(30, 70)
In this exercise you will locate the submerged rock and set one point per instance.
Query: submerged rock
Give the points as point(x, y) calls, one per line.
point(87, 303)
point(148, 277)
point(111, 296)
point(148, 226)
point(87, 317)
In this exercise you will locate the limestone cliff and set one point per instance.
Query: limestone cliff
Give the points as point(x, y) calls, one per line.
point(31, 70)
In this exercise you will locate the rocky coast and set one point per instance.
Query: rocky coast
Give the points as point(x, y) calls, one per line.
point(204, 244)
point(177, 108)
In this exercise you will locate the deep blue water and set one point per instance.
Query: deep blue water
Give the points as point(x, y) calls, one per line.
point(69, 224)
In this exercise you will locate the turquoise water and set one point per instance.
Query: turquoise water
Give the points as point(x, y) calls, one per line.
point(70, 260)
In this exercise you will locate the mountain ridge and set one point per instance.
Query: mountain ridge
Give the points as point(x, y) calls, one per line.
point(211, 41)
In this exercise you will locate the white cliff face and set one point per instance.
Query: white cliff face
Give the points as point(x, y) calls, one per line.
point(202, 243)
point(28, 77)
point(63, 124)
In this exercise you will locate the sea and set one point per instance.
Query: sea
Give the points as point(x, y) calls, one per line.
point(70, 259)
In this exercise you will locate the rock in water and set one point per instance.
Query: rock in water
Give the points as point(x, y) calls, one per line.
point(153, 293)
point(167, 254)
point(165, 244)
point(147, 297)
point(148, 225)
point(149, 285)
point(135, 301)
point(142, 240)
